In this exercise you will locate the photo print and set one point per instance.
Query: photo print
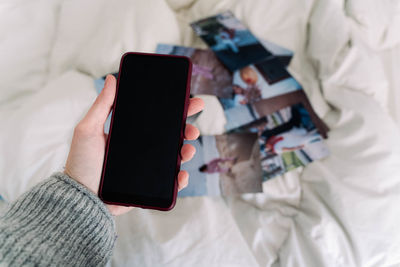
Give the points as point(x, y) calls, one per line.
point(287, 139)
point(262, 80)
point(231, 41)
point(209, 76)
point(224, 165)
point(241, 116)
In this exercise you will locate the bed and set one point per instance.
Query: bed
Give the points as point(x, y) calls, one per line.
point(340, 211)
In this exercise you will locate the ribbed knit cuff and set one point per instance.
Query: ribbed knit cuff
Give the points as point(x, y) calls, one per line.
point(57, 223)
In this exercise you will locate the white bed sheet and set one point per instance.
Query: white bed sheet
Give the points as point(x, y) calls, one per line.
point(341, 211)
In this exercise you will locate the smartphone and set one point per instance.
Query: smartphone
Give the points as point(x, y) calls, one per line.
point(142, 158)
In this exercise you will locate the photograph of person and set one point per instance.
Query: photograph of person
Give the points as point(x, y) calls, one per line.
point(288, 139)
point(224, 165)
point(206, 169)
point(250, 84)
point(240, 117)
point(199, 181)
point(209, 76)
point(218, 165)
point(232, 42)
point(239, 161)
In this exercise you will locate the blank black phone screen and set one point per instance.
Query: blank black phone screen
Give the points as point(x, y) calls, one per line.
point(146, 130)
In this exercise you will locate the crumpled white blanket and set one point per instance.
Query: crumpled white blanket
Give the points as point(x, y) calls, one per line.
point(340, 211)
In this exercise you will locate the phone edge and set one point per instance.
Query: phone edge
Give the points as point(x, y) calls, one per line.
point(182, 135)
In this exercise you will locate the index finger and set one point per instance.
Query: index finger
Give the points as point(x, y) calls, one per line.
point(101, 108)
point(195, 105)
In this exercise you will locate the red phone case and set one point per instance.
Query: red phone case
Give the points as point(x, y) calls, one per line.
point(182, 134)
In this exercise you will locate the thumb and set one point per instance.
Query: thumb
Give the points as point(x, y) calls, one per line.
point(101, 108)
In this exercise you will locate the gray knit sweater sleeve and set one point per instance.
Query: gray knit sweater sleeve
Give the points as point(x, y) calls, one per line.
point(57, 223)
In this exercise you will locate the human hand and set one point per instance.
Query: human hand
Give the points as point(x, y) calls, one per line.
point(86, 155)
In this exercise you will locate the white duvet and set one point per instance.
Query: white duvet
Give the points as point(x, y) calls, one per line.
point(340, 211)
